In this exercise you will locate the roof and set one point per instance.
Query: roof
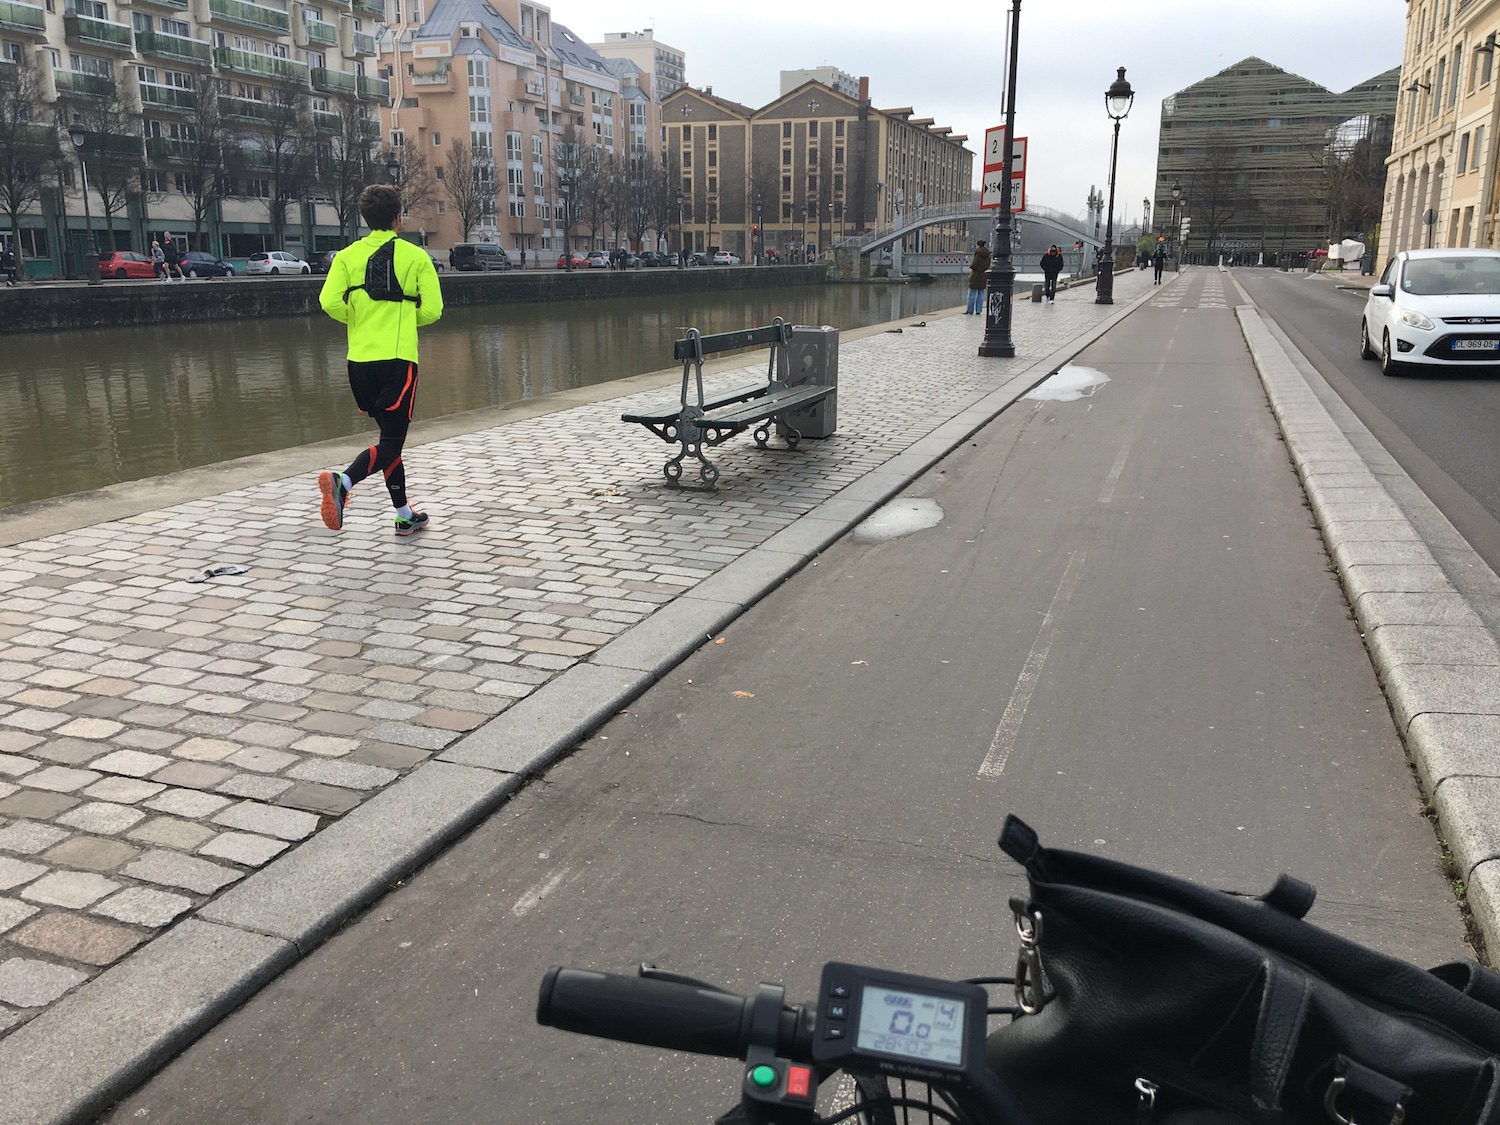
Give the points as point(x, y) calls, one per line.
point(448, 16)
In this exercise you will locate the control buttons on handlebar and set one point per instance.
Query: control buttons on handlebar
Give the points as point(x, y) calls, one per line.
point(837, 1011)
point(763, 1076)
point(833, 1031)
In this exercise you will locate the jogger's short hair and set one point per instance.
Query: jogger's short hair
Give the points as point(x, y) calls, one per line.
point(379, 204)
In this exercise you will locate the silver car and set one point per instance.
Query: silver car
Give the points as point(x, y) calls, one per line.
point(1434, 309)
point(276, 262)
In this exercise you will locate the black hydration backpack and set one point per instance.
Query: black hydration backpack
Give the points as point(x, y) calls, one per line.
point(380, 277)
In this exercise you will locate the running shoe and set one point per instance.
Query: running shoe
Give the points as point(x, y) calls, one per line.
point(417, 523)
point(335, 496)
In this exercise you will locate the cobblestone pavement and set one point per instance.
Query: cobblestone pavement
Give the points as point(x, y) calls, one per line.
point(161, 739)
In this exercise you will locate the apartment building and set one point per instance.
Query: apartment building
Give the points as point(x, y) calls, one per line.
point(1270, 163)
point(807, 169)
point(241, 124)
point(1441, 182)
point(666, 65)
point(535, 109)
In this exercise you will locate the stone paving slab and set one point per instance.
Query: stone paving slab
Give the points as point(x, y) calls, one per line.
point(262, 754)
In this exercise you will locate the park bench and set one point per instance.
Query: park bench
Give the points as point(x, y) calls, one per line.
point(695, 421)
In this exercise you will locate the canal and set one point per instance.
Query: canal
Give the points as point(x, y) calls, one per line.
point(84, 409)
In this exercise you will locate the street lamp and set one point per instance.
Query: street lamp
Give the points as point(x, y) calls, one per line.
point(1117, 102)
point(78, 134)
point(758, 241)
point(563, 190)
point(1000, 282)
point(393, 168)
point(681, 247)
point(1176, 233)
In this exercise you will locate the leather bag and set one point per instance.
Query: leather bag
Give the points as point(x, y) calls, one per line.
point(1145, 997)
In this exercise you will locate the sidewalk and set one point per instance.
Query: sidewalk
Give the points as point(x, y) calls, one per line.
point(198, 783)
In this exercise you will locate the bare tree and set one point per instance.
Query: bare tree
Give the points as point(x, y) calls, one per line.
point(28, 149)
point(663, 179)
point(418, 184)
point(115, 155)
point(347, 166)
point(1215, 190)
point(283, 154)
point(469, 180)
point(765, 187)
point(591, 192)
point(567, 169)
point(200, 147)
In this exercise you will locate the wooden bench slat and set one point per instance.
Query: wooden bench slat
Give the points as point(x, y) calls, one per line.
point(728, 341)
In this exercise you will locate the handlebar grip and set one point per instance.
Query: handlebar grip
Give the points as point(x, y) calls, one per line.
point(653, 1013)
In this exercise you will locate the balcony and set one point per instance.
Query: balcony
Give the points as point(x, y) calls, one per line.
point(248, 109)
point(374, 88)
point(325, 120)
point(361, 45)
point(243, 12)
point(333, 81)
point(369, 128)
point(175, 5)
point(267, 66)
point(535, 90)
point(171, 150)
point(373, 8)
point(317, 33)
point(23, 19)
point(89, 32)
point(176, 48)
point(433, 80)
point(116, 146)
point(156, 96)
point(76, 84)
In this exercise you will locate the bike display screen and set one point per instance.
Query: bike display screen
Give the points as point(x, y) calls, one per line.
point(912, 1025)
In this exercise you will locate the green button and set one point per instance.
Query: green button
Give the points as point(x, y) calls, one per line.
point(763, 1076)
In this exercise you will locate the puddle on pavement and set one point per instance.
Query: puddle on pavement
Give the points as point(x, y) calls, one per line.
point(1068, 384)
point(905, 516)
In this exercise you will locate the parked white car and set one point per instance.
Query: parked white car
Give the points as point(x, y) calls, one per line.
point(1434, 309)
point(276, 262)
point(725, 258)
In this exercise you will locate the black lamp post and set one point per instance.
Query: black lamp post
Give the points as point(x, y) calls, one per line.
point(1176, 236)
point(393, 169)
point(563, 189)
point(1000, 282)
point(1117, 101)
point(758, 242)
point(78, 134)
point(681, 248)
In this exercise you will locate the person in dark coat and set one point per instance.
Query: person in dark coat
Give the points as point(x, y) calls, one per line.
point(8, 265)
point(1159, 260)
point(978, 268)
point(1052, 265)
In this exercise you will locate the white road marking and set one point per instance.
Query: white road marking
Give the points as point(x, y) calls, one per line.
point(528, 902)
point(1015, 711)
point(1107, 493)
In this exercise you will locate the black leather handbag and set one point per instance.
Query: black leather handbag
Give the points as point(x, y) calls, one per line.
point(1145, 997)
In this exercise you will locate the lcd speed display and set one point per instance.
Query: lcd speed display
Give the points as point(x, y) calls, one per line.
point(909, 1025)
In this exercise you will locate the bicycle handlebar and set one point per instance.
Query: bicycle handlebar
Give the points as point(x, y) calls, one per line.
point(653, 1013)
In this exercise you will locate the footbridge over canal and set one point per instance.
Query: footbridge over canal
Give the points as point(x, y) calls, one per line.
point(1066, 228)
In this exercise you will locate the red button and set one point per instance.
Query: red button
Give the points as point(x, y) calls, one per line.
point(798, 1081)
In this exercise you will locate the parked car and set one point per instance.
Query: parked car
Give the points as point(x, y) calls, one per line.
point(125, 263)
point(276, 262)
point(698, 259)
point(480, 256)
point(725, 258)
point(437, 265)
point(324, 261)
point(1434, 309)
point(579, 261)
point(652, 258)
point(630, 261)
point(200, 263)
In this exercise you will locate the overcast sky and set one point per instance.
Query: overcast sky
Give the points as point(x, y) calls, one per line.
point(945, 59)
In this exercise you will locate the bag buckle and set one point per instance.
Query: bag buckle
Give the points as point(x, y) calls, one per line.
point(1031, 983)
point(1331, 1099)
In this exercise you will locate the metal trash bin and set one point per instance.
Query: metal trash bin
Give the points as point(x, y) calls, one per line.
point(813, 357)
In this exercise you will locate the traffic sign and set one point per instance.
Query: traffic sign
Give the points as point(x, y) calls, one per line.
point(991, 197)
point(994, 169)
point(994, 152)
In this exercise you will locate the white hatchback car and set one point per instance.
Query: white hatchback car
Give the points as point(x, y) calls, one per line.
point(1434, 309)
point(725, 258)
point(276, 262)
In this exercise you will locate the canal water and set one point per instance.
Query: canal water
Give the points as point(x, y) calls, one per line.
point(83, 409)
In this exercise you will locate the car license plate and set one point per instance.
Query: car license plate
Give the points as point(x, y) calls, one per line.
point(1476, 345)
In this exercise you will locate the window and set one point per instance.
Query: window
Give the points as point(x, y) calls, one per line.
point(786, 130)
point(838, 155)
point(786, 185)
point(437, 174)
point(713, 185)
point(1437, 94)
point(437, 140)
point(713, 130)
point(1487, 71)
point(153, 182)
point(513, 147)
point(713, 159)
point(1463, 153)
point(838, 128)
point(441, 210)
point(786, 158)
point(398, 138)
point(141, 22)
point(536, 147)
point(1458, 62)
point(1478, 145)
point(317, 60)
point(687, 158)
point(517, 208)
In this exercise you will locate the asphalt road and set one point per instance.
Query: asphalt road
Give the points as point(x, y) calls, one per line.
point(1123, 628)
point(1440, 427)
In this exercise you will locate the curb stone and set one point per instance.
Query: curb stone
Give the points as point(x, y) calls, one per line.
point(1438, 663)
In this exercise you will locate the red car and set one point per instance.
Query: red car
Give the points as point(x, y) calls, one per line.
point(125, 263)
point(579, 261)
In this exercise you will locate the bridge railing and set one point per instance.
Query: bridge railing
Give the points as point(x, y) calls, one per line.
point(925, 216)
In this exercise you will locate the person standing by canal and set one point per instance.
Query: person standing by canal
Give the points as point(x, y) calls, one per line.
point(1159, 259)
point(383, 288)
point(978, 268)
point(172, 255)
point(8, 265)
point(1052, 265)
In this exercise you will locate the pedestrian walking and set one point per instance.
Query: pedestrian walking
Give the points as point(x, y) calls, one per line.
point(172, 254)
point(158, 261)
point(1159, 261)
point(383, 288)
point(979, 266)
point(523, 257)
point(8, 265)
point(1052, 265)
